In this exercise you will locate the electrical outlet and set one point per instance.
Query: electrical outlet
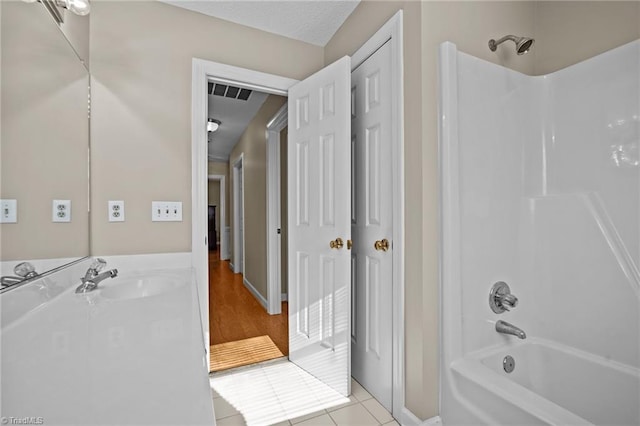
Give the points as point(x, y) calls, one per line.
point(8, 211)
point(116, 211)
point(61, 211)
point(166, 211)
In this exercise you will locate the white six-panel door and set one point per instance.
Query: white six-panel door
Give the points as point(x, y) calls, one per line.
point(372, 221)
point(319, 152)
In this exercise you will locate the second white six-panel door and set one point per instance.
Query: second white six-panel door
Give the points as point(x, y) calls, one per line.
point(372, 222)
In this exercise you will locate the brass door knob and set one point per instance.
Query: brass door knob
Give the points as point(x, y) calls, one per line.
point(336, 244)
point(349, 244)
point(381, 245)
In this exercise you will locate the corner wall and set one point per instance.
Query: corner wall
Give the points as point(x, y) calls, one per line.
point(568, 32)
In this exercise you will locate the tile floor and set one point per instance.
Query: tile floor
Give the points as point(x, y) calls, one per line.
point(280, 393)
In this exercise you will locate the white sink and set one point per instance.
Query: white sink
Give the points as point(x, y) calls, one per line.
point(135, 288)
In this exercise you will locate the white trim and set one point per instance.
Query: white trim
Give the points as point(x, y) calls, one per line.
point(201, 72)
point(199, 160)
point(255, 292)
point(392, 32)
point(433, 421)
point(284, 297)
point(222, 213)
point(274, 240)
point(238, 206)
point(407, 418)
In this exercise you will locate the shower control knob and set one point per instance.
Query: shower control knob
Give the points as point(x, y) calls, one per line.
point(501, 299)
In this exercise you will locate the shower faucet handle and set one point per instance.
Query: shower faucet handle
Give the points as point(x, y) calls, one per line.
point(501, 299)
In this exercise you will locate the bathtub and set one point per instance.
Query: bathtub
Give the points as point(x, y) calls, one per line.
point(551, 384)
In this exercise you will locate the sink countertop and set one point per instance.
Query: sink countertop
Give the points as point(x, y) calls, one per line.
point(89, 359)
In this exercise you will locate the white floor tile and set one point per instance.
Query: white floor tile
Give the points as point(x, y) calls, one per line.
point(379, 412)
point(393, 423)
point(352, 400)
point(222, 408)
point(236, 420)
point(323, 420)
point(251, 394)
point(359, 392)
point(282, 394)
point(353, 415)
point(307, 417)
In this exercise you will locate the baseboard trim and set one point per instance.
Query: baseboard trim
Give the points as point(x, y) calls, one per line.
point(410, 419)
point(255, 293)
point(284, 297)
point(231, 266)
point(433, 421)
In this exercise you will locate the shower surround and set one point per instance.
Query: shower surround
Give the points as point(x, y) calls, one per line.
point(540, 188)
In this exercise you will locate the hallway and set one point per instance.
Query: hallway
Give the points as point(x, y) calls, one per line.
point(235, 314)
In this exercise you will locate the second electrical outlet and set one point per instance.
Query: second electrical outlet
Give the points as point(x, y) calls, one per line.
point(116, 211)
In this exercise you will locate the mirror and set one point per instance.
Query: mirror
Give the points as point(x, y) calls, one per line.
point(44, 139)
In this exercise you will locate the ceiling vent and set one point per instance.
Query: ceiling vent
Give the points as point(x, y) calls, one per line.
point(226, 91)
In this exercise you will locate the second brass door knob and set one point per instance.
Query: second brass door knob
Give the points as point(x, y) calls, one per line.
point(381, 245)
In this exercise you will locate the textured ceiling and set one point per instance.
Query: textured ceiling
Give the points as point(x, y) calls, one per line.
point(311, 21)
point(235, 116)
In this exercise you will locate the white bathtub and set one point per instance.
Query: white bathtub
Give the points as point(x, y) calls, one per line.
point(551, 384)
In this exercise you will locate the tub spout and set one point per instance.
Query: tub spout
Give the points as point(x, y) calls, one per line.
point(506, 328)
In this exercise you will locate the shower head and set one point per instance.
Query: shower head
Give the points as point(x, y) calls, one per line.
point(523, 44)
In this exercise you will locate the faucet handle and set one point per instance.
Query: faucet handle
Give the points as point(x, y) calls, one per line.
point(25, 270)
point(98, 264)
point(508, 301)
point(501, 299)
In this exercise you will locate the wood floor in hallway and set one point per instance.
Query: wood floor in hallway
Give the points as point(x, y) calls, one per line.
point(234, 314)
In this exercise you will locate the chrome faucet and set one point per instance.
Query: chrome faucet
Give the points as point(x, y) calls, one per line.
point(507, 328)
point(91, 279)
point(23, 270)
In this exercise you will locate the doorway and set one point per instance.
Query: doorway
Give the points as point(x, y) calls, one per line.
point(216, 196)
point(392, 31)
point(238, 216)
point(242, 331)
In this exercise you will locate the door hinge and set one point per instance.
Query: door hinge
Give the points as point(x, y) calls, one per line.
point(279, 231)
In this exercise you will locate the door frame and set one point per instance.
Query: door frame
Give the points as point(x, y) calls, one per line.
point(238, 212)
point(204, 71)
point(222, 214)
point(274, 213)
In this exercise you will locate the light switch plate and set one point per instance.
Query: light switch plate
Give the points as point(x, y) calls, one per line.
point(61, 211)
point(8, 211)
point(166, 211)
point(116, 211)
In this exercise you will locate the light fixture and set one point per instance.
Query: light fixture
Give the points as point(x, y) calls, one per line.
point(213, 124)
point(79, 7)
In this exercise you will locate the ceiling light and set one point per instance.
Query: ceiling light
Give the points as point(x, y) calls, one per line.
point(79, 7)
point(213, 124)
